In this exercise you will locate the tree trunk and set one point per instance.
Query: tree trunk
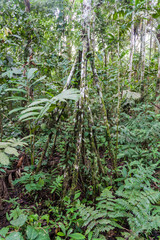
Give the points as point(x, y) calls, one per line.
point(28, 6)
point(131, 44)
point(85, 39)
point(143, 53)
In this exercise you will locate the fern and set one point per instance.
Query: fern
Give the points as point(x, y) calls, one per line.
point(57, 184)
point(134, 207)
point(98, 220)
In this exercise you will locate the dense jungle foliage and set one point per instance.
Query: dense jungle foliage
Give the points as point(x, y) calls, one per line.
point(79, 119)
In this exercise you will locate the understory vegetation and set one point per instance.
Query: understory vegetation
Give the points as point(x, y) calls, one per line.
point(79, 119)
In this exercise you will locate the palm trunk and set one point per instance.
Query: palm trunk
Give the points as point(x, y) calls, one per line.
point(85, 37)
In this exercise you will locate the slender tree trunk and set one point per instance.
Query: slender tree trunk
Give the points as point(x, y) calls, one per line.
point(85, 38)
point(131, 44)
point(150, 45)
point(143, 52)
point(158, 77)
point(118, 104)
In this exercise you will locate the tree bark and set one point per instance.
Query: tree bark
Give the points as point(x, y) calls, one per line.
point(85, 40)
point(28, 6)
point(143, 52)
point(131, 44)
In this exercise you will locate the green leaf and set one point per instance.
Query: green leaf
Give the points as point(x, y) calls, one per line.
point(31, 232)
point(4, 231)
point(77, 195)
point(3, 145)
point(11, 150)
point(61, 234)
point(15, 236)
point(26, 115)
point(31, 72)
point(43, 235)
point(70, 94)
point(29, 109)
point(28, 119)
point(77, 236)
point(16, 90)
point(38, 80)
point(16, 110)
point(16, 98)
point(4, 159)
point(128, 94)
point(39, 101)
point(90, 235)
point(20, 221)
point(58, 238)
point(17, 142)
point(61, 225)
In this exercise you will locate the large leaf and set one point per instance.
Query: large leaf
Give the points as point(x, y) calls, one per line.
point(20, 221)
point(71, 94)
point(15, 236)
point(31, 232)
point(128, 94)
point(43, 235)
point(11, 150)
point(3, 145)
point(30, 109)
point(4, 231)
point(17, 142)
point(4, 159)
point(28, 114)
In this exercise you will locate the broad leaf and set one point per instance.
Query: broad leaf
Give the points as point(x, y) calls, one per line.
point(20, 221)
point(3, 145)
point(31, 232)
point(11, 150)
point(17, 142)
point(4, 159)
point(128, 94)
point(43, 235)
point(15, 236)
point(4, 231)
